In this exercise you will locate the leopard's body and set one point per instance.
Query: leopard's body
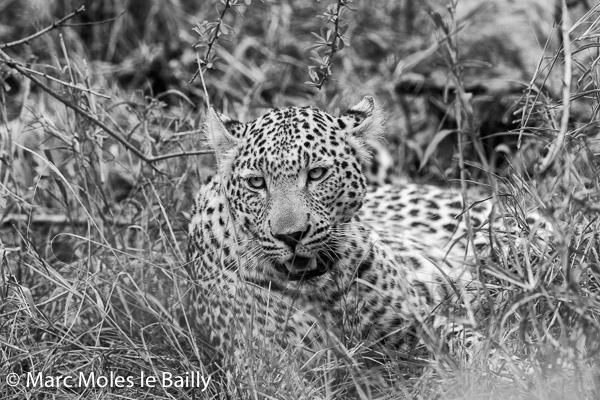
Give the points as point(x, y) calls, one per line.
point(288, 245)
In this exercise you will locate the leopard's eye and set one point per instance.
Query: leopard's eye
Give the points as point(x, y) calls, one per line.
point(316, 173)
point(257, 182)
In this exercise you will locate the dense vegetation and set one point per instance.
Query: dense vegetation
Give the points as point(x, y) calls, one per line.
point(101, 152)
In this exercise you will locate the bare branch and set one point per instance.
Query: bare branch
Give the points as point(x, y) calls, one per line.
point(180, 154)
point(61, 82)
point(54, 25)
point(24, 71)
point(53, 219)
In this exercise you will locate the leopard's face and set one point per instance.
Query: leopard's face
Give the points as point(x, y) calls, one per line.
point(293, 180)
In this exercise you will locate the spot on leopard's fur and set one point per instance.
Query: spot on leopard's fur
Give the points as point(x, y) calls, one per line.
point(288, 244)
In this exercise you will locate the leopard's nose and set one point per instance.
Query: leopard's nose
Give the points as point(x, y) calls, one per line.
point(292, 239)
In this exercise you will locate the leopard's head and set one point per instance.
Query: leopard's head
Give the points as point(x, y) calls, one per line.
point(294, 181)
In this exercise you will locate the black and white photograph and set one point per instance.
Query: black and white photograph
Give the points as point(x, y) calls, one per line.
point(300, 199)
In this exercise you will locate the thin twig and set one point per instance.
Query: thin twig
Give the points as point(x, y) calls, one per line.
point(566, 97)
point(23, 71)
point(53, 219)
point(95, 23)
point(61, 82)
point(54, 25)
point(323, 71)
point(213, 40)
point(180, 154)
point(333, 45)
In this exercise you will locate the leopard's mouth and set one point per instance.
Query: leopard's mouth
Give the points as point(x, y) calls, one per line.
point(302, 268)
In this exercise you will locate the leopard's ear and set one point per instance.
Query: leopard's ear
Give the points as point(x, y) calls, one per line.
point(223, 136)
point(364, 124)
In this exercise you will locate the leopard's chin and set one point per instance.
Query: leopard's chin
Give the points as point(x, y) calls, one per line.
point(302, 268)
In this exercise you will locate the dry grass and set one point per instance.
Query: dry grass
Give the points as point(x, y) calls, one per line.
point(93, 238)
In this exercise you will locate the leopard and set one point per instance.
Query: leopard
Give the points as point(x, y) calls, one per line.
point(290, 245)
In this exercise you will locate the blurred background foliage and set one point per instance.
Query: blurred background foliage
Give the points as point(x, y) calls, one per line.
point(261, 60)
